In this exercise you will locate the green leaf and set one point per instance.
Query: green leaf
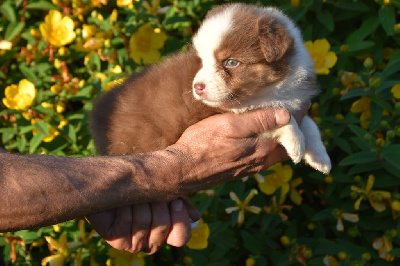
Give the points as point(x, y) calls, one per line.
point(391, 154)
point(175, 19)
point(25, 129)
point(28, 73)
point(358, 131)
point(8, 11)
point(387, 18)
point(43, 128)
point(393, 65)
point(368, 26)
point(35, 142)
point(28, 236)
point(356, 93)
point(6, 136)
point(357, 6)
point(21, 144)
point(8, 130)
point(358, 158)
point(395, 252)
point(13, 30)
point(359, 46)
point(323, 215)
point(382, 103)
point(326, 19)
point(43, 5)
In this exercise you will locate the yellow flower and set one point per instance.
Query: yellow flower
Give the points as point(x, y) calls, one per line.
point(58, 30)
point(330, 261)
point(278, 209)
point(396, 91)
point(116, 69)
point(396, 206)
point(5, 45)
point(384, 246)
point(387, 2)
point(121, 257)
point(362, 106)
point(323, 58)
point(350, 217)
point(88, 31)
point(21, 96)
point(53, 132)
point(376, 198)
point(114, 16)
point(151, 8)
point(295, 3)
point(84, 238)
point(114, 83)
point(242, 207)
point(57, 228)
point(145, 43)
point(278, 179)
point(62, 250)
point(200, 236)
point(125, 3)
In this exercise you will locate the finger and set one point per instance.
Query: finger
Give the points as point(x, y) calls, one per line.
point(141, 224)
point(180, 228)
point(114, 226)
point(160, 227)
point(102, 221)
point(260, 121)
point(194, 214)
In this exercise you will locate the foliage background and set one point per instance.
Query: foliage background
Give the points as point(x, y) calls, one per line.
point(349, 217)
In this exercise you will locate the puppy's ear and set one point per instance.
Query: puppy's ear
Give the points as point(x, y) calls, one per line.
point(274, 38)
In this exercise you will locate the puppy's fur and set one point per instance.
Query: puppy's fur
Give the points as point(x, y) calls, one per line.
point(243, 57)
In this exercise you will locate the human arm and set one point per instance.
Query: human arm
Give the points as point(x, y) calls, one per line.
point(42, 190)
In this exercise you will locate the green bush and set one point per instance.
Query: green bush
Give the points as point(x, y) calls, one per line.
point(285, 215)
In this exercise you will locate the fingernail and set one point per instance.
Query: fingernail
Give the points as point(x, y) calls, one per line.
point(282, 117)
point(177, 205)
point(194, 224)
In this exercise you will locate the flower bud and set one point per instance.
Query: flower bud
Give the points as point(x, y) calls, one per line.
point(285, 240)
point(342, 255)
point(368, 63)
point(374, 82)
point(366, 256)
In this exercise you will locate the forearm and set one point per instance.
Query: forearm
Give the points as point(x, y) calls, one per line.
point(39, 190)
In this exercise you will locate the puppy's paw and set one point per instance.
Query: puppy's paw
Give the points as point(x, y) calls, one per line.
point(291, 137)
point(319, 161)
point(295, 149)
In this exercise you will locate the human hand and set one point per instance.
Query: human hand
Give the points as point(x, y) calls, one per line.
point(227, 146)
point(146, 227)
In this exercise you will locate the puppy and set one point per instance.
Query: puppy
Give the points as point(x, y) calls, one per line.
point(243, 57)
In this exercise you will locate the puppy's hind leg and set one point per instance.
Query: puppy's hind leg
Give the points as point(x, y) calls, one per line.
point(315, 154)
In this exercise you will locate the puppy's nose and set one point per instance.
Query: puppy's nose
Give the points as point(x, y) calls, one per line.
point(199, 88)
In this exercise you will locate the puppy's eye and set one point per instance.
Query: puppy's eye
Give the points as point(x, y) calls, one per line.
point(231, 63)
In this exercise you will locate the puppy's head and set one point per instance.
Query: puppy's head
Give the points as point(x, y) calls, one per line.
point(243, 49)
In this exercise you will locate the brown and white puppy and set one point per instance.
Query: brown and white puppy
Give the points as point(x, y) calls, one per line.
point(243, 57)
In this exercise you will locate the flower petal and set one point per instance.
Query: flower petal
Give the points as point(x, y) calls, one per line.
point(322, 46)
point(351, 217)
point(396, 91)
point(330, 59)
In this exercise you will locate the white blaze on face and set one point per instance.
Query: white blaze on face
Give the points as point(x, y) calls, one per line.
point(206, 41)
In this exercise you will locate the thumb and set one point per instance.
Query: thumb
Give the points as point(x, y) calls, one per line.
point(262, 120)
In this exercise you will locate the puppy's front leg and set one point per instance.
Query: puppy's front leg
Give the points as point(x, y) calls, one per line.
point(291, 137)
